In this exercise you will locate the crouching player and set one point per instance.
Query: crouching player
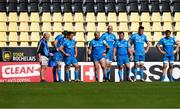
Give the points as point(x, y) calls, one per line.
point(69, 49)
point(121, 55)
point(97, 53)
point(168, 51)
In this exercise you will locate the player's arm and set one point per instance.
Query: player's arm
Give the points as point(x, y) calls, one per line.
point(62, 50)
point(147, 47)
point(39, 50)
point(55, 44)
point(177, 45)
point(114, 53)
point(89, 53)
point(107, 47)
point(159, 48)
point(76, 52)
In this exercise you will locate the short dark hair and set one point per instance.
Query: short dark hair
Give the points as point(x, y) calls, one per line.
point(65, 32)
point(141, 27)
point(167, 31)
point(69, 33)
point(121, 32)
point(95, 33)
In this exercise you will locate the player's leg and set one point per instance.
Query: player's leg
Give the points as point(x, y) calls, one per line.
point(141, 70)
point(54, 73)
point(171, 66)
point(96, 69)
point(136, 65)
point(103, 66)
point(44, 64)
point(165, 63)
point(109, 59)
point(67, 67)
point(59, 71)
point(120, 67)
point(76, 65)
point(127, 66)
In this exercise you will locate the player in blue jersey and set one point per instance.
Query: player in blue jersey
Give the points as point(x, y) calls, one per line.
point(43, 54)
point(97, 52)
point(122, 52)
point(138, 40)
point(58, 56)
point(69, 49)
point(110, 38)
point(168, 52)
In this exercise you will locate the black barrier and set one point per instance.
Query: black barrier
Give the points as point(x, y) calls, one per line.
point(28, 54)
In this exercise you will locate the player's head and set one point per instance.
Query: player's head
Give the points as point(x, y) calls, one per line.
point(97, 35)
point(70, 35)
point(168, 33)
point(141, 30)
point(46, 36)
point(64, 33)
point(121, 35)
point(110, 29)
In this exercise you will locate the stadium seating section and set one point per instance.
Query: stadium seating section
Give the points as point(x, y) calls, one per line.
point(22, 22)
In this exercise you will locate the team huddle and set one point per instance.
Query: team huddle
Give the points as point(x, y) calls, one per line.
point(104, 50)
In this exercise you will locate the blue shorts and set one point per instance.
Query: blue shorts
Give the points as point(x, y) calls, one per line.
point(139, 58)
point(168, 59)
point(70, 60)
point(52, 62)
point(109, 56)
point(57, 56)
point(122, 60)
point(97, 58)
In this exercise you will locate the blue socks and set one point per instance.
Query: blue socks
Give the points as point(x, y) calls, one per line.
point(68, 75)
point(59, 75)
point(76, 75)
point(171, 78)
point(141, 73)
point(120, 74)
point(135, 72)
point(163, 77)
point(107, 73)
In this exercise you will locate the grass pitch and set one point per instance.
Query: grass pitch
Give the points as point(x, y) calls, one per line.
point(90, 95)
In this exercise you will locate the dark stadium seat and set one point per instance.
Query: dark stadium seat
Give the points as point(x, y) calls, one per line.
point(2, 6)
point(155, 6)
point(144, 6)
point(111, 1)
point(45, 1)
point(134, 6)
point(13, 6)
point(166, 6)
point(176, 6)
point(56, 7)
point(100, 6)
point(111, 7)
point(121, 6)
point(34, 7)
point(67, 6)
point(46, 7)
point(23, 7)
point(89, 6)
point(78, 7)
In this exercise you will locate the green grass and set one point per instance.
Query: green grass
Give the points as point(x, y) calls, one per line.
point(88, 95)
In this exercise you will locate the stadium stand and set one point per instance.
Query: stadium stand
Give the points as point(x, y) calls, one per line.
point(23, 21)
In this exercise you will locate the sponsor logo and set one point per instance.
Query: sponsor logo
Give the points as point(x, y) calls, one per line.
point(6, 56)
point(23, 70)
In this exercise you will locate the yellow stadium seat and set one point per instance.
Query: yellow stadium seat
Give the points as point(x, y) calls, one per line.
point(13, 17)
point(3, 44)
point(3, 17)
point(13, 44)
point(90, 17)
point(149, 36)
point(34, 27)
point(89, 36)
point(177, 26)
point(101, 27)
point(35, 36)
point(79, 27)
point(177, 17)
point(68, 17)
point(166, 17)
point(46, 17)
point(46, 27)
point(145, 17)
point(24, 44)
point(134, 26)
point(57, 17)
point(167, 26)
point(122, 17)
point(101, 17)
point(123, 26)
point(114, 25)
point(156, 26)
point(13, 26)
point(3, 36)
point(157, 36)
point(68, 26)
point(147, 26)
point(156, 17)
point(34, 44)
point(57, 27)
point(23, 17)
point(112, 17)
point(134, 17)
point(78, 17)
point(49, 44)
point(34, 17)
point(80, 44)
point(90, 27)
point(24, 36)
point(79, 36)
point(13, 36)
point(24, 26)
point(126, 36)
point(178, 36)
point(3, 26)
